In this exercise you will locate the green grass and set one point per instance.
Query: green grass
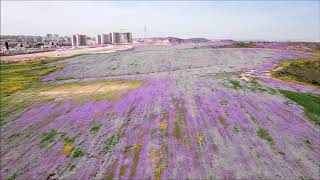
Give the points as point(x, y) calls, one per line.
point(235, 84)
point(256, 87)
point(71, 167)
point(264, 134)
point(95, 129)
point(66, 139)
point(239, 45)
point(111, 142)
point(78, 153)
point(243, 45)
point(63, 78)
point(254, 120)
point(19, 83)
point(48, 137)
point(224, 102)
point(310, 103)
point(236, 128)
point(12, 177)
point(304, 71)
point(13, 137)
point(309, 143)
point(2, 122)
point(254, 81)
point(20, 76)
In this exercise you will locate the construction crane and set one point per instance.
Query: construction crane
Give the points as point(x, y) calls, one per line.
point(123, 30)
point(145, 31)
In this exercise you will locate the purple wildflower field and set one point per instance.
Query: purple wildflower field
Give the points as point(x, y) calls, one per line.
point(190, 115)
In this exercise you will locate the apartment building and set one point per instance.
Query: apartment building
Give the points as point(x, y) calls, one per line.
point(118, 37)
point(78, 40)
point(103, 39)
point(127, 37)
point(99, 41)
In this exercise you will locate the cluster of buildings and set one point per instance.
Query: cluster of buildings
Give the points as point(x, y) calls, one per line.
point(23, 41)
point(78, 40)
point(17, 44)
point(109, 38)
point(56, 40)
point(114, 38)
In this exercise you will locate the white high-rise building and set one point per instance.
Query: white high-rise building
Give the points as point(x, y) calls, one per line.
point(127, 37)
point(99, 39)
point(118, 37)
point(78, 40)
point(103, 39)
point(114, 38)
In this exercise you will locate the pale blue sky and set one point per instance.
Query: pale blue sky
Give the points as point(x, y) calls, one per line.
point(239, 20)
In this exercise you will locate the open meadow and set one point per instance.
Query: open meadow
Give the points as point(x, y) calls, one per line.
point(187, 111)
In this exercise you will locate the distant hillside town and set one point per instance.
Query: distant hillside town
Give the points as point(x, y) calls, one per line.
point(22, 44)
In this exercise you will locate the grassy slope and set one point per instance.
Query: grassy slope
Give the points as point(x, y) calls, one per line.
point(21, 83)
point(20, 76)
point(306, 71)
point(18, 81)
point(310, 102)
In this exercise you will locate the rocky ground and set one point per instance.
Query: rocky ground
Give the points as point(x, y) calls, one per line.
point(162, 112)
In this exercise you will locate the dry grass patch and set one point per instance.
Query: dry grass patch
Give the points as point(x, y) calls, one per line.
point(98, 89)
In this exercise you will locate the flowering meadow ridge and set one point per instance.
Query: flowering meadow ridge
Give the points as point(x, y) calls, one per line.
point(180, 111)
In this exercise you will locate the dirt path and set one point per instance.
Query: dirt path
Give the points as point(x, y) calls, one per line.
point(65, 53)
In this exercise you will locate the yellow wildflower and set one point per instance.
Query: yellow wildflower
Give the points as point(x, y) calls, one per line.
point(152, 160)
point(200, 138)
point(161, 156)
point(67, 148)
point(137, 146)
point(154, 152)
point(163, 126)
point(159, 168)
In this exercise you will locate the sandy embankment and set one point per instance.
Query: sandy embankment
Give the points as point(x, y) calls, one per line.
point(65, 53)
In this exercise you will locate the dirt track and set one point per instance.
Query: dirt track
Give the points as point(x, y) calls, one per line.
point(65, 53)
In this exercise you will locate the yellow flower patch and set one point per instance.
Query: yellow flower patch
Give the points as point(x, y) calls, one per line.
point(159, 168)
point(152, 160)
point(200, 138)
point(154, 153)
point(137, 146)
point(163, 126)
point(98, 114)
point(67, 148)
point(186, 141)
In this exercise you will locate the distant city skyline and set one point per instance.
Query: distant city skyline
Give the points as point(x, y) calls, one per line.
point(238, 20)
